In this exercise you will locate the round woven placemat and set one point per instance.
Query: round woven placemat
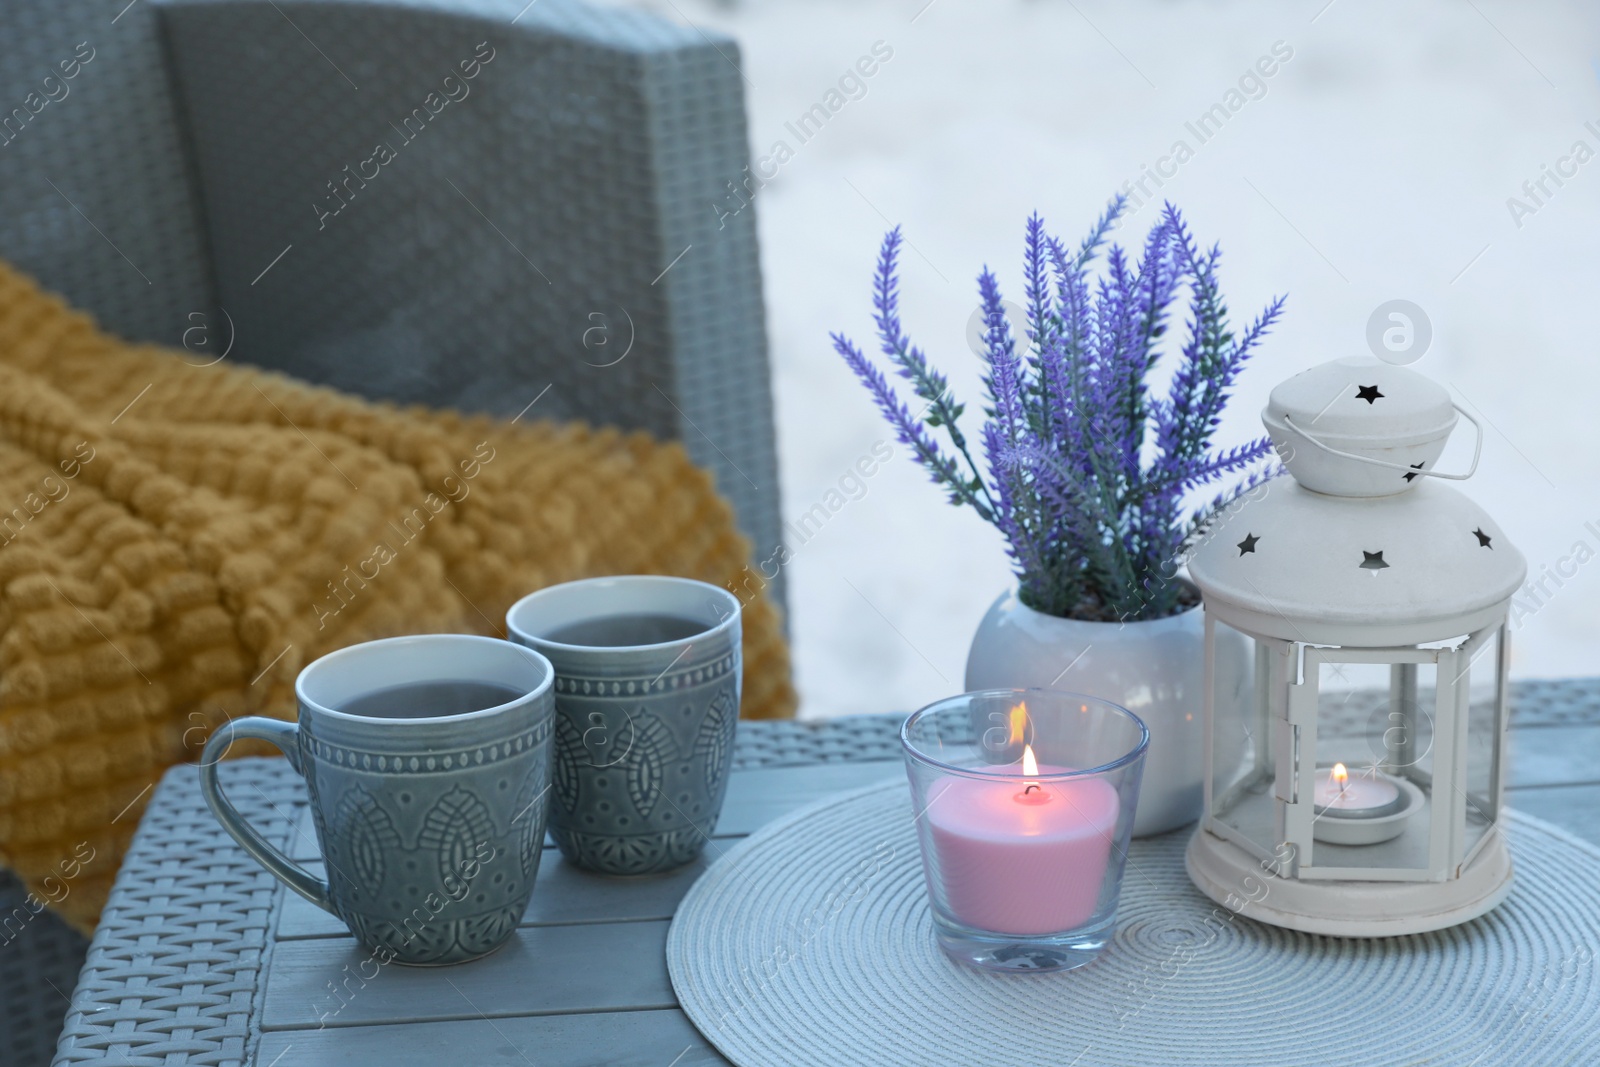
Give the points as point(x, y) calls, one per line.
point(810, 943)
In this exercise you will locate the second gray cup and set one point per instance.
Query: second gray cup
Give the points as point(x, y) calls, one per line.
point(648, 672)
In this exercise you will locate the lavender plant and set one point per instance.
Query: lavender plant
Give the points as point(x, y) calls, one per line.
point(1088, 471)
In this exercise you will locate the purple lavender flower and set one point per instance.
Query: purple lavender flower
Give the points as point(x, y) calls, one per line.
point(1094, 528)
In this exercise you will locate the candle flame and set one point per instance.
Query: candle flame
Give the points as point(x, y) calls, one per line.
point(1030, 766)
point(1341, 775)
point(1019, 724)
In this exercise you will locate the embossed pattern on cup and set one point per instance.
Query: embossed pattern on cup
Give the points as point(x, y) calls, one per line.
point(431, 829)
point(431, 849)
point(644, 732)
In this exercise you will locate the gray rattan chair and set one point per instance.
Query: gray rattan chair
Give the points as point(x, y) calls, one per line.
point(548, 226)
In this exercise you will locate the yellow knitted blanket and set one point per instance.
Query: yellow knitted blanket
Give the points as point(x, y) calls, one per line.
point(177, 542)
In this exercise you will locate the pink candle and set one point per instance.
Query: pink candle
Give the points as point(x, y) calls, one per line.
point(1021, 860)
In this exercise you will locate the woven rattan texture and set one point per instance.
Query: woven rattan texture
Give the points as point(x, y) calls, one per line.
point(794, 744)
point(1553, 702)
point(39, 960)
point(1557, 702)
point(97, 199)
point(810, 944)
point(548, 222)
point(172, 974)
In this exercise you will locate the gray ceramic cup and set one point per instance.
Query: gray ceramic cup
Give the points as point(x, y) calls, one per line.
point(431, 827)
point(648, 673)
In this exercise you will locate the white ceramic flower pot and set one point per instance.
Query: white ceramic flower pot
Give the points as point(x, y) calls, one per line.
point(1154, 668)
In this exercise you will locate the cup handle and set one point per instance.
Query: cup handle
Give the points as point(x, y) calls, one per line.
point(285, 736)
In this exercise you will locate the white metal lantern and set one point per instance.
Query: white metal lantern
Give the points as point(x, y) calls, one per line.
point(1359, 564)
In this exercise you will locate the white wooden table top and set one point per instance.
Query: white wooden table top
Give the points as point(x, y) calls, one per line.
point(203, 958)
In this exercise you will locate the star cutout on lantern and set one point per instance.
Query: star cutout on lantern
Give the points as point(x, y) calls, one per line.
point(1248, 544)
point(1483, 538)
point(1369, 393)
point(1414, 466)
point(1373, 561)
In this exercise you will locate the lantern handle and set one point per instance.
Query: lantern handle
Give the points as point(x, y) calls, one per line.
point(1477, 450)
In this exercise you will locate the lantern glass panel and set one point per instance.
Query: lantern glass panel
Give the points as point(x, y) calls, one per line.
point(1354, 712)
point(1405, 734)
point(1244, 688)
point(1376, 718)
point(1482, 733)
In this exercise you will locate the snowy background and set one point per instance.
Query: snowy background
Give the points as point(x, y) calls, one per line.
point(1376, 163)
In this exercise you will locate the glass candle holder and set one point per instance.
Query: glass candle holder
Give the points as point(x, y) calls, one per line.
point(1024, 802)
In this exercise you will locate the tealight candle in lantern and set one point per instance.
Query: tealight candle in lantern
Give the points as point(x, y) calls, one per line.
point(1364, 809)
point(1364, 797)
